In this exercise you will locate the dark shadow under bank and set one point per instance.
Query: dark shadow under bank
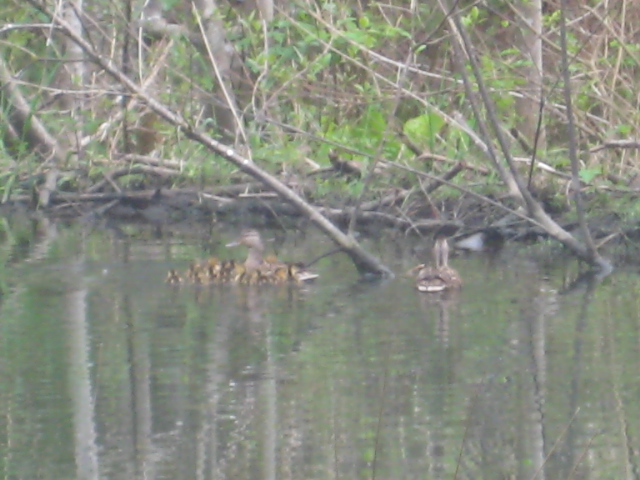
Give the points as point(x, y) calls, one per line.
point(181, 210)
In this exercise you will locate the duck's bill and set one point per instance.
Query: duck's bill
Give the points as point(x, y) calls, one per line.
point(235, 243)
point(307, 276)
point(431, 288)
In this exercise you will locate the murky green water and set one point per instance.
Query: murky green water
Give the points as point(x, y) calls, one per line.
point(106, 372)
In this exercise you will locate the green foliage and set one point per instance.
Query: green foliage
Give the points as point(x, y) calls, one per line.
point(551, 20)
point(338, 188)
point(273, 155)
point(624, 206)
point(625, 129)
point(170, 4)
point(7, 181)
point(423, 129)
point(473, 17)
point(588, 174)
point(339, 74)
point(364, 134)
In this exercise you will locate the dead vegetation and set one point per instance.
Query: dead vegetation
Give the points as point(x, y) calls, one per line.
point(346, 112)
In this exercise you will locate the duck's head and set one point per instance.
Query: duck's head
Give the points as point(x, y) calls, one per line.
point(248, 238)
point(441, 252)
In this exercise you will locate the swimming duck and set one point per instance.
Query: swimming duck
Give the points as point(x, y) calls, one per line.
point(259, 269)
point(439, 276)
point(489, 239)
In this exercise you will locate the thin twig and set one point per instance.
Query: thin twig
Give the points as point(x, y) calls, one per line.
point(571, 133)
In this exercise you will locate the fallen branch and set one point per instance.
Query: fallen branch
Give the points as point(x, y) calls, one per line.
point(616, 144)
point(363, 260)
point(137, 170)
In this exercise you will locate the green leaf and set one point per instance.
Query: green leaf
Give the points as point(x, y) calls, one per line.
point(423, 128)
point(625, 129)
point(472, 17)
point(588, 174)
point(374, 121)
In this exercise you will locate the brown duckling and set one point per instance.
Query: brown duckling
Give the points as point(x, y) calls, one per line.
point(213, 267)
point(195, 273)
point(173, 277)
point(220, 271)
point(253, 277)
point(299, 273)
point(439, 276)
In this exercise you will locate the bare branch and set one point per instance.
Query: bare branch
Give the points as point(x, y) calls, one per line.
point(363, 260)
point(535, 210)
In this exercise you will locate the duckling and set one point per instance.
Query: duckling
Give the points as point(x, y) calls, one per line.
point(258, 277)
point(281, 275)
point(173, 278)
point(299, 273)
point(200, 276)
point(271, 260)
point(228, 269)
point(213, 267)
point(219, 271)
point(440, 276)
point(194, 272)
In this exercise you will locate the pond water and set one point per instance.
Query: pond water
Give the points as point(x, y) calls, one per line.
point(106, 372)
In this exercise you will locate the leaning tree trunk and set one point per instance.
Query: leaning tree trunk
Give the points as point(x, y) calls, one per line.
point(584, 250)
point(24, 124)
point(532, 92)
point(363, 260)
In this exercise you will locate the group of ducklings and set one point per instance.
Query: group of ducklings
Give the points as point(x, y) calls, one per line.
point(215, 271)
point(259, 270)
point(255, 270)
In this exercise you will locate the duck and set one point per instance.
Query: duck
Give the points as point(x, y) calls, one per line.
point(439, 276)
point(489, 239)
point(267, 269)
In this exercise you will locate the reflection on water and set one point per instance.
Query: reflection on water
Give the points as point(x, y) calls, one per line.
point(109, 373)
